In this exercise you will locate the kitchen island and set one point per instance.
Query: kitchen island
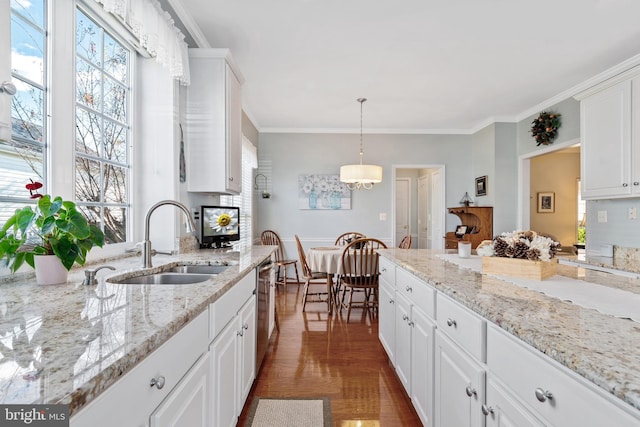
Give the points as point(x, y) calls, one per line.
point(602, 349)
point(67, 344)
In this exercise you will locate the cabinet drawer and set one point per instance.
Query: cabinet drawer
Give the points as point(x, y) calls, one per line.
point(461, 325)
point(228, 305)
point(388, 271)
point(131, 399)
point(417, 292)
point(574, 400)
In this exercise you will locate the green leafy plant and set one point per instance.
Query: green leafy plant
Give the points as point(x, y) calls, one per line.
point(58, 227)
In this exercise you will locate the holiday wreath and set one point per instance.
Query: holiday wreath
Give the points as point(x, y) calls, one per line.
point(544, 129)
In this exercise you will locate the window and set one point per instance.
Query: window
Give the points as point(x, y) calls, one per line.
point(102, 165)
point(245, 199)
point(24, 157)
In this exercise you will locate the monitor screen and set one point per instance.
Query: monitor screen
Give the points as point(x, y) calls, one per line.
point(219, 224)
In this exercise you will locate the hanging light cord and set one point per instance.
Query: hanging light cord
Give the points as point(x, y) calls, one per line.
point(361, 101)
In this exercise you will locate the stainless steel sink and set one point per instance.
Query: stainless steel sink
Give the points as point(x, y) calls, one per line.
point(169, 278)
point(200, 269)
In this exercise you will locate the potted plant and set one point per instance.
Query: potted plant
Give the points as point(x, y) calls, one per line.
point(55, 228)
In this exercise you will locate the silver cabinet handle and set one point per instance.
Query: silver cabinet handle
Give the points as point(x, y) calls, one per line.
point(391, 301)
point(636, 183)
point(245, 326)
point(625, 184)
point(405, 317)
point(486, 409)
point(230, 178)
point(409, 289)
point(452, 322)
point(384, 270)
point(240, 332)
point(157, 382)
point(412, 324)
point(471, 391)
point(543, 395)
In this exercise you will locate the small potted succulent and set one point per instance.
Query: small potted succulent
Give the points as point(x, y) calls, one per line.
point(50, 238)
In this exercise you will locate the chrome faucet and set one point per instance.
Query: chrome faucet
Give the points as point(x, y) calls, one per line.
point(146, 243)
point(90, 275)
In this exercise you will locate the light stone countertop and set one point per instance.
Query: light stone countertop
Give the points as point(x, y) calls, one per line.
point(603, 349)
point(67, 343)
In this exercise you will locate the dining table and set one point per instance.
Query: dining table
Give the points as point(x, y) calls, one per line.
point(327, 259)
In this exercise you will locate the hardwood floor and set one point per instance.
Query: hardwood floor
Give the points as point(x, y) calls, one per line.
point(317, 355)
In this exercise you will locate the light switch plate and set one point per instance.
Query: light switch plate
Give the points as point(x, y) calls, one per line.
point(633, 213)
point(602, 216)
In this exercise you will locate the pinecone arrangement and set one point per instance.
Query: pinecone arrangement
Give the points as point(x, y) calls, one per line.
point(521, 244)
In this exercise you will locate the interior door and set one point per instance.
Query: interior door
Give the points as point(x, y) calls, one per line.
point(424, 212)
point(437, 211)
point(403, 208)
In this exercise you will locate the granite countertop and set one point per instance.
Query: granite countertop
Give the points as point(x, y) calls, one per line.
point(67, 343)
point(603, 349)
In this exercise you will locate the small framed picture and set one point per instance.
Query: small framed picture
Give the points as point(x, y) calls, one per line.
point(546, 202)
point(461, 230)
point(481, 186)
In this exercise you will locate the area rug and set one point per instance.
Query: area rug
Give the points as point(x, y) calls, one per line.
point(293, 412)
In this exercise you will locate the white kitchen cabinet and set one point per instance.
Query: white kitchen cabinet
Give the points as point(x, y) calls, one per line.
point(133, 398)
point(188, 404)
point(503, 410)
point(213, 134)
point(386, 322)
point(422, 365)
point(403, 341)
point(247, 341)
point(459, 386)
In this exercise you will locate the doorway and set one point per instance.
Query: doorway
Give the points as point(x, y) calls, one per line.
point(419, 196)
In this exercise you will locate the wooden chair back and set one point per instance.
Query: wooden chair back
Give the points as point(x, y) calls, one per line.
point(270, 237)
point(348, 237)
point(405, 243)
point(360, 266)
point(306, 271)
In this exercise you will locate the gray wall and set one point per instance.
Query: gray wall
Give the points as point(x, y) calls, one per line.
point(290, 155)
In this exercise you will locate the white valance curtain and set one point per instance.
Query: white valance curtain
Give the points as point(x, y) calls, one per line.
point(156, 32)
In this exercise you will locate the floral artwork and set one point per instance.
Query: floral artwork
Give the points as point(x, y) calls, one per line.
point(221, 221)
point(323, 192)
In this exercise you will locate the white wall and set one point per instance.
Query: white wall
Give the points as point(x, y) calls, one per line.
point(291, 155)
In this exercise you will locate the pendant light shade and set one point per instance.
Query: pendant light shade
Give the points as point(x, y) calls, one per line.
point(358, 176)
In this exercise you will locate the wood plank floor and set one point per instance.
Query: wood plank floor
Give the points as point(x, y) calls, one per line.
point(317, 355)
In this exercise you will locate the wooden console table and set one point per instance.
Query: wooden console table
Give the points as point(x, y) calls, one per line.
point(479, 217)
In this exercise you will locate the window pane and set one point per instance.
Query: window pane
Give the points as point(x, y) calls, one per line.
point(27, 50)
point(88, 39)
point(33, 10)
point(116, 59)
point(18, 164)
point(87, 180)
point(88, 85)
point(88, 135)
point(115, 100)
point(27, 114)
point(115, 224)
point(115, 142)
point(115, 184)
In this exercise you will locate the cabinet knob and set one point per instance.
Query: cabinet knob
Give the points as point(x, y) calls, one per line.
point(625, 184)
point(405, 317)
point(636, 183)
point(383, 269)
point(470, 391)
point(157, 382)
point(240, 332)
point(487, 409)
point(245, 326)
point(452, 322)
point(391, 301)
point(543, 395)
point(409, 289)
point(412, 324)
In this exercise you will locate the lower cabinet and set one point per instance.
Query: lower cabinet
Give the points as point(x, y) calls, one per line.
point(459, 386)
point(503, 410)
point(386, 325)
point(233, 361)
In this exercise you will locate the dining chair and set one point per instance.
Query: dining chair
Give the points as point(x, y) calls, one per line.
point(348, 237)
point(405, 243)
point(312, 278)
point(360, 272)
point(270, 237)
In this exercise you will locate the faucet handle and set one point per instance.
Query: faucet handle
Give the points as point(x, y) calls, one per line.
point(90, 275)
point(136, 248)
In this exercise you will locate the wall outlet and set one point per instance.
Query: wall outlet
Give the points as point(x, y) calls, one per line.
point(602, 216)
point(633, 214)
point(383, 216)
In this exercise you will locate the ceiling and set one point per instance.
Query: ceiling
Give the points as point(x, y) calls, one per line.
point(424, 65)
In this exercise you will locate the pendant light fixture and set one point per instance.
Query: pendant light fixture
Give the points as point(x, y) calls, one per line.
point(360, 176)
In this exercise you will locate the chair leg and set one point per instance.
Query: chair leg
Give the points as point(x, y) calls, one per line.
point(304, 294)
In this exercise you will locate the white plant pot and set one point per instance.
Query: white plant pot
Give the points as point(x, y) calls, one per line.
point(49, 270)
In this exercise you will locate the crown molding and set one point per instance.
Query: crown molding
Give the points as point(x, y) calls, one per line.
point(368, 131)
point(189, 23)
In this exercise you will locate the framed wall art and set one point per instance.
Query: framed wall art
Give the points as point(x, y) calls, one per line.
point(481, 186)
point(323, 192)
point(546, 202)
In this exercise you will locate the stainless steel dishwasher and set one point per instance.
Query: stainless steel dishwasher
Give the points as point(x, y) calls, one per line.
point(263, 289)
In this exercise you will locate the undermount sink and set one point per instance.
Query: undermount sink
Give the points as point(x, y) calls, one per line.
point(169, 278)
point(200, 269)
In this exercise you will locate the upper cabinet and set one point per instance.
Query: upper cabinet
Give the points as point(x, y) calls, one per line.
point(610, 136)
point(213, 137)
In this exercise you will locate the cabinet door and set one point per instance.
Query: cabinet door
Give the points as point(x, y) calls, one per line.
point(234, 133)
point(188, 403)
point(403, 341)
point(503, 410)
point(224, 375)
point(422, 331)
point(247, 350)
point(606, 143)
point(387, 319)
point(635, 135)
point(459, 386)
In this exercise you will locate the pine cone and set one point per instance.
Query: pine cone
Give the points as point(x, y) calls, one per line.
point(509, 251)
point(529, 235)
point(499, 246)
point(520, 250)
point(553, 249)
point(533, 254)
